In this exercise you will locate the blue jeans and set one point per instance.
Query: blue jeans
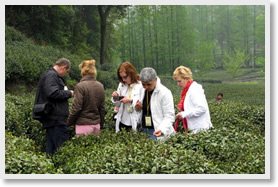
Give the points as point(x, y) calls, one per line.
point(55, 137)
point(150, 132)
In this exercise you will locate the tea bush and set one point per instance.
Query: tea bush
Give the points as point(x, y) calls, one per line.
point(19, 121)
point(23, 157)
point(251, 93)
point(26, 61)
point(128, 153)
point(231, 150)
point(238, 116)
point(234, 146)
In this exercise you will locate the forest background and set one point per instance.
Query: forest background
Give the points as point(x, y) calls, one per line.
point(203, 38)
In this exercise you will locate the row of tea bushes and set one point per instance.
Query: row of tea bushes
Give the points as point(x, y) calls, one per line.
point(235, 145)
point(22, 156)
point(128, 153)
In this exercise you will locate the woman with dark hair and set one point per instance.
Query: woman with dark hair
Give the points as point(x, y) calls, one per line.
point(126, 96)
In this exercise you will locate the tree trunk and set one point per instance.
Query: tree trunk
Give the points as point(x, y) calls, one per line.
point(254, 43)
point(103, 13)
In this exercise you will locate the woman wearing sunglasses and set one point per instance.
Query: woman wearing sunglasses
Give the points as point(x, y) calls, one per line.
point(126, 96)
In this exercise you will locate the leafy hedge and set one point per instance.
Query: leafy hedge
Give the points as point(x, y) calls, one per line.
point(126, 153)
point(23, 157)
point(18, 119)
point(26, 61)
point(234, 146)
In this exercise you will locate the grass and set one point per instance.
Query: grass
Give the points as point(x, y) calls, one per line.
point(252, 93)
point(247, 74)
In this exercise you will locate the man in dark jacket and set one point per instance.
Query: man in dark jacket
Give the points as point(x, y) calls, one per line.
point(52, 90)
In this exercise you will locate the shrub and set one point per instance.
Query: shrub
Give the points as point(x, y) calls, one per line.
point(12, 35)
point(238, 116)
point(19, 121)
point(26, 61)
point(108, 79)
point(234, 146)
point(127, 153)
point(231, 150)
point(23, 157)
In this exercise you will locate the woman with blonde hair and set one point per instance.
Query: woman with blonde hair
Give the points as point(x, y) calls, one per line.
point(126, 96)
point(88, 111)
point(193, 104)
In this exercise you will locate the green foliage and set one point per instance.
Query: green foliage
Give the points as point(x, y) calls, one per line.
point(252, 93)
point(204, 61)
point(19, 121)
point(261, 62)
point(108, 79)
point(127, 153)
point(234, 146)
point(232, 115)
point(235, 61)
point(12, 35)
point(233, 151)
point(23, 157)
point(25, 61)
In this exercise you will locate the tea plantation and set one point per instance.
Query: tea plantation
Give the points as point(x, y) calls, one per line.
point(236, 145)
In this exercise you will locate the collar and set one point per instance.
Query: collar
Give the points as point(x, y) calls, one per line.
point(52, 69)
point(88, 78)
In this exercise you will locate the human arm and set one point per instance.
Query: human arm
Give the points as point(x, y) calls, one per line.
point(52, 90)
point(168, 114)
point(115, 94)
point(76, 106)
point(102, 110)
point(195, 105)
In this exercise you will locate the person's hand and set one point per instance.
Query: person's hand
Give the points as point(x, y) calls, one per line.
point(126, 100)
point(179, 116)
point(138, 106)
point(115, 94)
point(72, 93)
point(157, 133)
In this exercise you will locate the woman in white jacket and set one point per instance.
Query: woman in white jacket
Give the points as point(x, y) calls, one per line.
point(126, 96)
point(157, 106)
point(193, 104)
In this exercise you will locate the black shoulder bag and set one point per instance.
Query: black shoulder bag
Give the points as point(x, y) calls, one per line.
point(41, 110)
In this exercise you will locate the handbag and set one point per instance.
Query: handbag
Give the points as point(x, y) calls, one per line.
point(41, 111)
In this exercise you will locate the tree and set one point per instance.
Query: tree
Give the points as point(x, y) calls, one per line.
point(235, 61)
point(107, 11)
point(205, 59)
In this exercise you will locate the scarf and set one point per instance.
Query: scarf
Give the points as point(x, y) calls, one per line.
point(181, 107)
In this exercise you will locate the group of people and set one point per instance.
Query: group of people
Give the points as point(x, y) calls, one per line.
point(143, 103)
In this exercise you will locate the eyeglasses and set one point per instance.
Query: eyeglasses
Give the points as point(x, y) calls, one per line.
point(124, 77)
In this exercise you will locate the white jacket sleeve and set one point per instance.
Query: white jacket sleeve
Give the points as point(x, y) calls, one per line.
point(196, 104)
point(168, 113)
point(117, 103)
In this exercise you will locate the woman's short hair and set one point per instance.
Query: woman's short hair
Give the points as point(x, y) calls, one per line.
point(148, 74)
point(87, 67)
point(129, 69)
point(183, 72)
point(63, 62)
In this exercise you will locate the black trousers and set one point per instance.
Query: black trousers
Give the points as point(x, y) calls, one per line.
point(126, 127)
point(55, 137)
